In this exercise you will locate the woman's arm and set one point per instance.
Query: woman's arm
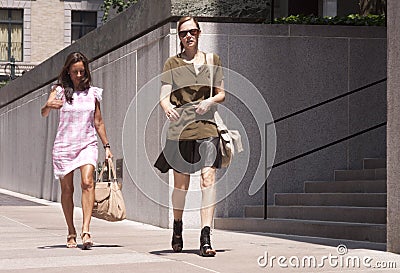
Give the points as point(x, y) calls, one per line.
point(165, 104)
point(219, 93)
point(101, 129)
point(51, 103)
point(219, 97)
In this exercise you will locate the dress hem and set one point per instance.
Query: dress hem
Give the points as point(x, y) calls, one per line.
point(62, 174)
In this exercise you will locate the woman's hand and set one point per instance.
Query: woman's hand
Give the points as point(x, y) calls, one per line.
point(171, 114)
point(53, 102)
point(204, 106)
point(108, 153)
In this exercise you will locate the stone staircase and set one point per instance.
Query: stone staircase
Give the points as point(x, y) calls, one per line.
point(352, 207)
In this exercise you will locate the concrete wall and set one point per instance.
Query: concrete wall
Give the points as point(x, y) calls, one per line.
point(293, 67)
point(393, 137)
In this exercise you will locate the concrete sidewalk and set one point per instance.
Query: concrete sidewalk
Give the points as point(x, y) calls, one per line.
point(34, 234)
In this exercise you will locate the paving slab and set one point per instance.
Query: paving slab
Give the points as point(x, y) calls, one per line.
point(33, 240)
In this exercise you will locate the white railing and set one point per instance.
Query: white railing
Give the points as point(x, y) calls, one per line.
point(20, 68)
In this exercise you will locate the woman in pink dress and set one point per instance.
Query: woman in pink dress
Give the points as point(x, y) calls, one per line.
point(75, 145)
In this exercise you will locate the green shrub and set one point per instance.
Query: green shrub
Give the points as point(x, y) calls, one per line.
point(350, 20)
point(3, 83)
point(117, 5)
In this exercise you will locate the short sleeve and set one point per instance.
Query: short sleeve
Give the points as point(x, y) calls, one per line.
point(166, 77)
point(54, 86)
point(218, 75)
point(59, 91)
point(98, 93)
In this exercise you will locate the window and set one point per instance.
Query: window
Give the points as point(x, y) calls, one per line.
point(11, 26)
point(306, 7)
point(82, 23)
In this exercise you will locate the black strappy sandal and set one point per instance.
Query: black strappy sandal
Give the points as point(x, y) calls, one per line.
point(177, 241)
point(205, 243)
point(87, 242)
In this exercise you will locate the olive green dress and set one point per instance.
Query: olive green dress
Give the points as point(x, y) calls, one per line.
point(192, 141)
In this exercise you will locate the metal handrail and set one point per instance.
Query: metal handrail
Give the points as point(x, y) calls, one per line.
point(327, 101)
point(326, 145)
point(20, 68)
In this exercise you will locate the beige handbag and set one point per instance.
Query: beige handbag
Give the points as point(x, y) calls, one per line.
point(227, 138)
point(109, 203)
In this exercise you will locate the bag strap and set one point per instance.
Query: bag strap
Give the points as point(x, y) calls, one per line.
point(103, 168)
point(112, 169)
point(108, 166)
point(210, 63)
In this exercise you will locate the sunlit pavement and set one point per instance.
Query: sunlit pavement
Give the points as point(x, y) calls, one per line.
point(34, 235)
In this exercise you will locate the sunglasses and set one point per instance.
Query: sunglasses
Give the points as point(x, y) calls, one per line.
point(192, 32)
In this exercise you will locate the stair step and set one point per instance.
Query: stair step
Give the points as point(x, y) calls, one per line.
point(374, 163)
point(357, 186)
point(331, 213)
point(321, 199)
point(254, 211)
point(335, 230)
point(350, 244)
point(366, 174)
point(352, 207)
point(331, 199)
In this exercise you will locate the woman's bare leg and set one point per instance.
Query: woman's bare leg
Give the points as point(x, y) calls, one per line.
point(67, 202)
point(207, 184)
point(207, 210)
point(181, 186)
point(87, 185)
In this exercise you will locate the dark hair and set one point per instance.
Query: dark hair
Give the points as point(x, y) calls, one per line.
point(185, 19)
point(64, 78)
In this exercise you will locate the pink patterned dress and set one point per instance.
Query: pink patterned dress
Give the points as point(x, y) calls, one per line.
point(75, 144)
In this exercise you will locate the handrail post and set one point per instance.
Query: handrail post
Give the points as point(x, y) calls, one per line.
point(266, 173)
point(12, 63)
point(265, 200)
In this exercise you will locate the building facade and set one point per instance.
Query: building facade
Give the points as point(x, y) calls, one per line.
point(33, 30)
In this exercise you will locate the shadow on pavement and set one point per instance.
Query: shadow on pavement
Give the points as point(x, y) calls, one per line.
point(187, 251)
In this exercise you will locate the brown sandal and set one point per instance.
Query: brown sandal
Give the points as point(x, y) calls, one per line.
point(69, 244)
